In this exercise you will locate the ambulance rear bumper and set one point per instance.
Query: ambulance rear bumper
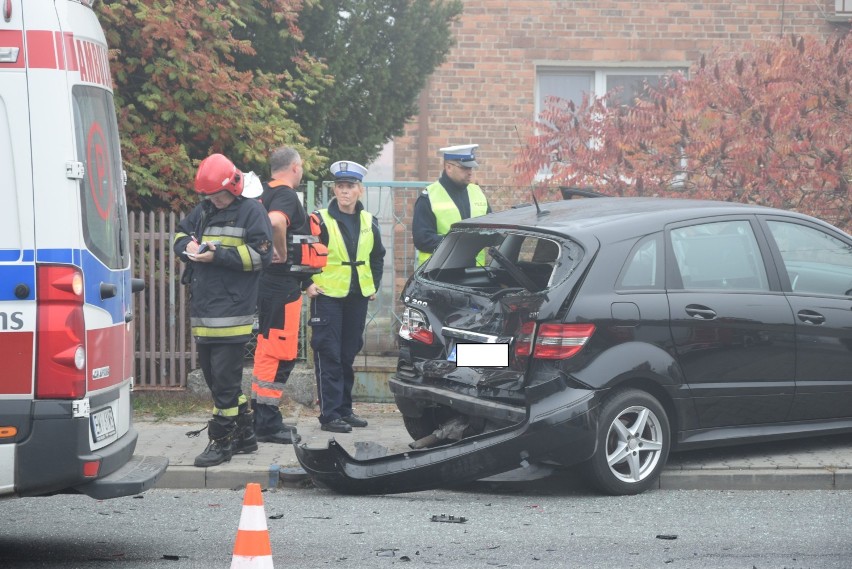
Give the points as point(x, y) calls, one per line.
point(50, 459)
point(137, 475)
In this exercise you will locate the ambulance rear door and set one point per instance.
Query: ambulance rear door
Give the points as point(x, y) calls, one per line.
point(84, 218)
point(17, 261)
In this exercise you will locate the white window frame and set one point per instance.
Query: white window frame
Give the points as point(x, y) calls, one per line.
point(600, 71)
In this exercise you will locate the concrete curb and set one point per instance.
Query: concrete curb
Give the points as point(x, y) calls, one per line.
point(756, 479)
point(819, 463)
point(228, 477)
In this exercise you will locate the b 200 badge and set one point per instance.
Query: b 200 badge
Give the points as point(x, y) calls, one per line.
point(416, 302)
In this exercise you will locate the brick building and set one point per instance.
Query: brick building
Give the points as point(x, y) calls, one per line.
point(510, 54)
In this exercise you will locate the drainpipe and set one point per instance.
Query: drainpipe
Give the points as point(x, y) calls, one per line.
point(423, 132)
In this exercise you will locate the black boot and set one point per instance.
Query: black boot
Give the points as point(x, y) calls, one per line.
point(221, 445)
point(246, 441)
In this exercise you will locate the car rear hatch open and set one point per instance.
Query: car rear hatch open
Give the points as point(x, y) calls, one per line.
point(454, 306)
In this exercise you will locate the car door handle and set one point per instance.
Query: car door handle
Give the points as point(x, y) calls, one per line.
point(700, 312)
point(811, 317)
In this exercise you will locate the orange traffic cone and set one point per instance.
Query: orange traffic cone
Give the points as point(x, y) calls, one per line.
point(252, 549)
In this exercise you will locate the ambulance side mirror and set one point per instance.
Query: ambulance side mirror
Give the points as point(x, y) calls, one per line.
point(137, 285)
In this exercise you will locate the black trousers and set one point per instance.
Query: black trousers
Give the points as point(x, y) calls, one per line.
point(222, 365)
point(338, 336)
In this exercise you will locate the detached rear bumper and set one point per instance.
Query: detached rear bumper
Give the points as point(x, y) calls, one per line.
point(560, 426)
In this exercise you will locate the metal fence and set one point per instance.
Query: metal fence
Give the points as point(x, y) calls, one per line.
point(165, 350)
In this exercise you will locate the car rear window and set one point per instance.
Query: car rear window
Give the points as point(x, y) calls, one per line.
point(491, 260)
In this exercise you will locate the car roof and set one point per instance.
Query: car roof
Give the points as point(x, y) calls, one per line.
point(616, 217)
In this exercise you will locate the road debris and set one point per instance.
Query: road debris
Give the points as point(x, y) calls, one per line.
point(449, 519)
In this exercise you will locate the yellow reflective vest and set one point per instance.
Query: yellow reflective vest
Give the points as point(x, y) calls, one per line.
point(335, 279)
point(446, 212)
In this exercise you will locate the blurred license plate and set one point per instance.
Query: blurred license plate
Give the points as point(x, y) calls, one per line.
point(452, 356)
point(103, 424)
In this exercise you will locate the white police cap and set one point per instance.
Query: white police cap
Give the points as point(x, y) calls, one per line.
point(345, 171)
point(463, 153)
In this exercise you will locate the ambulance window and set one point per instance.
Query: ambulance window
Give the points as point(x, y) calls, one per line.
point(102, 191)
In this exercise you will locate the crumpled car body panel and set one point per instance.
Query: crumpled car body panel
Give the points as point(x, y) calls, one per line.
point(560, 422)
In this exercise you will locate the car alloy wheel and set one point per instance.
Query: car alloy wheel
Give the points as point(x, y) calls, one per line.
point(634, 443)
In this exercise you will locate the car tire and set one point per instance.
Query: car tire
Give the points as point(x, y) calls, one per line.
point(420, 427)
point(633, 442)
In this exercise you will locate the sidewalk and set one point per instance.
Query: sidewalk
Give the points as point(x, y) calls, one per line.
point(823, 463)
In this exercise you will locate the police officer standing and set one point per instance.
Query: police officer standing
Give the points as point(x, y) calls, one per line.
point(227, 240)
point(280, 299)
point(340, 294)
point(450, 199)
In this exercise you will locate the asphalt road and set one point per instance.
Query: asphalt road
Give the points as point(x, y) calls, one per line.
point(551, 524)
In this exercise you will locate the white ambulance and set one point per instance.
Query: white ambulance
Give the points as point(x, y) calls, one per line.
point(66, 310)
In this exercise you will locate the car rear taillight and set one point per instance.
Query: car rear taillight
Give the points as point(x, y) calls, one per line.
point(414, 327)
point(60, 333)
point(553, 341)
point(523, 342)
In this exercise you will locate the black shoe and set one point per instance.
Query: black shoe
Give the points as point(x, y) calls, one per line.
point(245, 441)
point(337, 426)
point(355, 420)
point(220, 448)
point(283, 437)
point(215, 454)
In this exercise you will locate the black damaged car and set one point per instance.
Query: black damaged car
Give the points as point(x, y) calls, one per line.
point(605, 333)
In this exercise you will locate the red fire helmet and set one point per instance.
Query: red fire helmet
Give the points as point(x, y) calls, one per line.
point(217, 173)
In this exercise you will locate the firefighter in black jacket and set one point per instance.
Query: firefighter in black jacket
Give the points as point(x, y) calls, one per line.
point(226, 241)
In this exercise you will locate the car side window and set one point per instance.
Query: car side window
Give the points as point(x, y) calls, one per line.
point(816, 262)
point(643, 268)
point(722, 255)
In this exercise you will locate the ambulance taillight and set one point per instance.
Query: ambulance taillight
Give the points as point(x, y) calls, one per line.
point(60, 333)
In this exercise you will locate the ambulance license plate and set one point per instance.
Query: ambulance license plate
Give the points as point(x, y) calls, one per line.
point(103, 424)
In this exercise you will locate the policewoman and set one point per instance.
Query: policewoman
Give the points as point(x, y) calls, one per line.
point(452, 198)
point(226, 241)
point(340, 295)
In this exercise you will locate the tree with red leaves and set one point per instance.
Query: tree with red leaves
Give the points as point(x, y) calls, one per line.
point(771, 125)
point(180, 96)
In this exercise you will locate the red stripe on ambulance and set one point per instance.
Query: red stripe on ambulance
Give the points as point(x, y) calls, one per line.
point(16, 353)
point(41, 51)
point(47, 49)
point(70, 51)
point(13, 39)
